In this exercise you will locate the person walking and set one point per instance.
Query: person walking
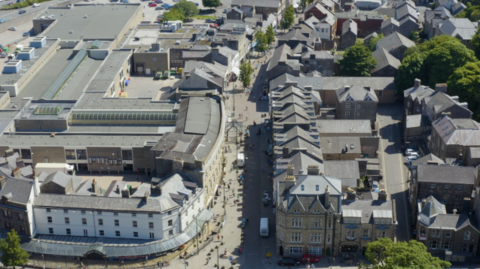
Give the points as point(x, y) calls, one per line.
point(218, 236)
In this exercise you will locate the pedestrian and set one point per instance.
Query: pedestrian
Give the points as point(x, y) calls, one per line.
point(218, 236)
point(222, 237)
point(313, 266)
point(246, 107)
point(247, 220)
point(308, 266)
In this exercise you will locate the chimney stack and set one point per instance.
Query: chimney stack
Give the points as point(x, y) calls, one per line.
point(118, 189)
point(36, 186)
point(126, 193)
point(290, 181)
point(290, 169)
point(454, 211)
point(441, 87)
point(382, 195)
point(351, 195)
point(286, 152)
point(313, 169)
point(16, 172)
point(424, 202)
point(19, 162)
point(417, 83)
point(94, 186)
point(145, 197)
point(327, 197)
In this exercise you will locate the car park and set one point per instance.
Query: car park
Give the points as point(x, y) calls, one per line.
point(288, 261)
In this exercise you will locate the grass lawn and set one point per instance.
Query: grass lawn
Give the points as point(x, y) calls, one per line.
point(204, 17)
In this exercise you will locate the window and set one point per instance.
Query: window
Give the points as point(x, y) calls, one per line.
point(134, 223)
point(150, 225)
point(302, 187)
point(117, 233)
point(317, 188)
point(115, 213)
point(381, 234)
point(69, 232)
point(458, 198)
point(296, 237)
point(347, 105)
point(100, 221)
point(316, 211)
point(281, 221)
point(358, 106)
point(446, 186)
point(20, 216)
point(65, 211)
point(169, 213)
point(329, 239)
point(365, 233)
point(83, 212)
point(466, 236)
point(459, 187)
point(315, 238)
point(422, 232)
point(447, 245)
point(433, 244)
point(448, 233)
point(296, 223)
point(48, 210)
point(26, 153)
point(70, 154)
point(81, 154)
point(329, 224)
point(350, 234)
point(135, 234)
point(101, 232)
point(316, 223)
point(99, 212)
point(50, 230)
point(134, 214)
point(67, 220)
point(465, 247)
point(358, 114)
point(296, 211)
point(433, 186)
point(150, 215)
point(152, 235)
point(170, 232)
point(85, 232)
point(49, 219)
point(418, 109)
point(117, 223)
point(435, 233)
point(408, 104)
point(380, 93)
point(127, 155)
point(314, 250)
point(347, 114)
point(296, 250)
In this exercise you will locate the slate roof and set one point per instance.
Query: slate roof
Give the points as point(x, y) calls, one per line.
point(464, 132)
point(301, 35)
point(17, 190)
point(310, 181)
point(418, 93)
point(432, 207)
point(405, 10)
point(445, 174)
point(474, 153)
point(461, 28)
point(347, 171)
point(390, 21)
point(336, 144)
point(300, 143)
point(349, 26)
point(440, 102)
point(300, 162)
point(367, 208)
point(393, 41)
point(254, 3)
point(62, 180)
point(427, 158)
point(417, 120)
point(279, 54)
point(357, 93)
point(384, 59)
point(296, 132)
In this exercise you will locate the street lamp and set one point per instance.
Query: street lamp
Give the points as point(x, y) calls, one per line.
point(43, 261)
point(218, 260)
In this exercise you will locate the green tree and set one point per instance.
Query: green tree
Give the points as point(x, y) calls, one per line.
point(173, 14)
point(12, 252)
point(373, 42)
point(385, 254)
point(409, 70)
point(211, 3)
point(188, 9)
point(246, 72)
point(414, 35)
point(441, 62)
point(304, 3)
point(288, 18)
point(270, 35)
point(262, 41)
point(465, 83)
point(357, 61)
point(475, 44)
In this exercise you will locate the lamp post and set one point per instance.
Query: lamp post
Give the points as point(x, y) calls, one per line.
point(218, 260)
point(43, 261)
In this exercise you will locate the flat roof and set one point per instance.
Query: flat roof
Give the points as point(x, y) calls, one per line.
point(76, 140)
point(103, 21)
point(111, 66)
point(10, 79)
point(96, 100)
point(131, 129)
point(77, 83)
point(152, 34)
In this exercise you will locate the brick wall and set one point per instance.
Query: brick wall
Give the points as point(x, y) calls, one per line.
point(54, 154)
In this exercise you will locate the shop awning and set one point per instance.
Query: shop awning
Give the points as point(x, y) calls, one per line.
point(236, 70)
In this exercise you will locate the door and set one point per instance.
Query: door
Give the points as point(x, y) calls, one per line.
point(280, 251)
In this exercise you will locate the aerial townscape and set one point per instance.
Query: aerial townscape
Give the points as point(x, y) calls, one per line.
point(246, 134)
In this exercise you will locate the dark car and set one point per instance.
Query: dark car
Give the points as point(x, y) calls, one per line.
point(22, 11)
point(288, 261)
point(210, 21)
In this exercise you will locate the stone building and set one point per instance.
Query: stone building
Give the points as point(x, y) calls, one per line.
point(357, 103)
point(349, 33)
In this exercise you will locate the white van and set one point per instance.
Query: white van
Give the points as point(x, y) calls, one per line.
point(241, 160)
point(264, 227)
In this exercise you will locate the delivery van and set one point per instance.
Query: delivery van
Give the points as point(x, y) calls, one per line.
point(240, 160)
point(264, 227)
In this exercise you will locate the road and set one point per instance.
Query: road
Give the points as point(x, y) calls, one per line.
point(394, 170)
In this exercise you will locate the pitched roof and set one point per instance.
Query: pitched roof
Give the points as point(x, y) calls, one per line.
point(17, 190)
point(366, 208)
point(440, 102)
point(356, 93)
point(63, 180)
point(461, 28)
point(445, 174)
point(464, 132)
point(418, 93)
point(426, 159)
point(418, 120)
point(390, 21)
point(343, 169)
point(393, 41)
point(349, 26)
point(279, 54)
point(384, 59)
point(405, 10)
point(432, 207)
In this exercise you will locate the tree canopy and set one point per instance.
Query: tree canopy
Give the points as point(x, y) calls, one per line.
point(262, 41)
point(270, 35)
point(188, 9)
point(288, 18)
point(12, 252)
point(211, 3)
point(357, 61)
point(438, 58)
point(385, 254)
point(246, 71)
point(173, 15)
point(373, 42)
point(465, 83)
point(475, 44)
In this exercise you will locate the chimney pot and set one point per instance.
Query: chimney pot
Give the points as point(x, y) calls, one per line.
point(417, 83)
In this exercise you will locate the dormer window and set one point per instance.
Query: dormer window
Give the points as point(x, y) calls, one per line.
point(296, 211)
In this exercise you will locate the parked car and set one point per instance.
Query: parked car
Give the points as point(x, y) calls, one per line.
point(2, 20)
point(210, 21)
point(22, 11)
point(152, 4)
point(225, 11)
point(214, 25)
point(26, 34)
point(12, 28)
point(308, 258)
point(288, 261)
point(159, 2)
point(407, 151)
point(36, 5)
point(412, 158)
point(159, 8)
